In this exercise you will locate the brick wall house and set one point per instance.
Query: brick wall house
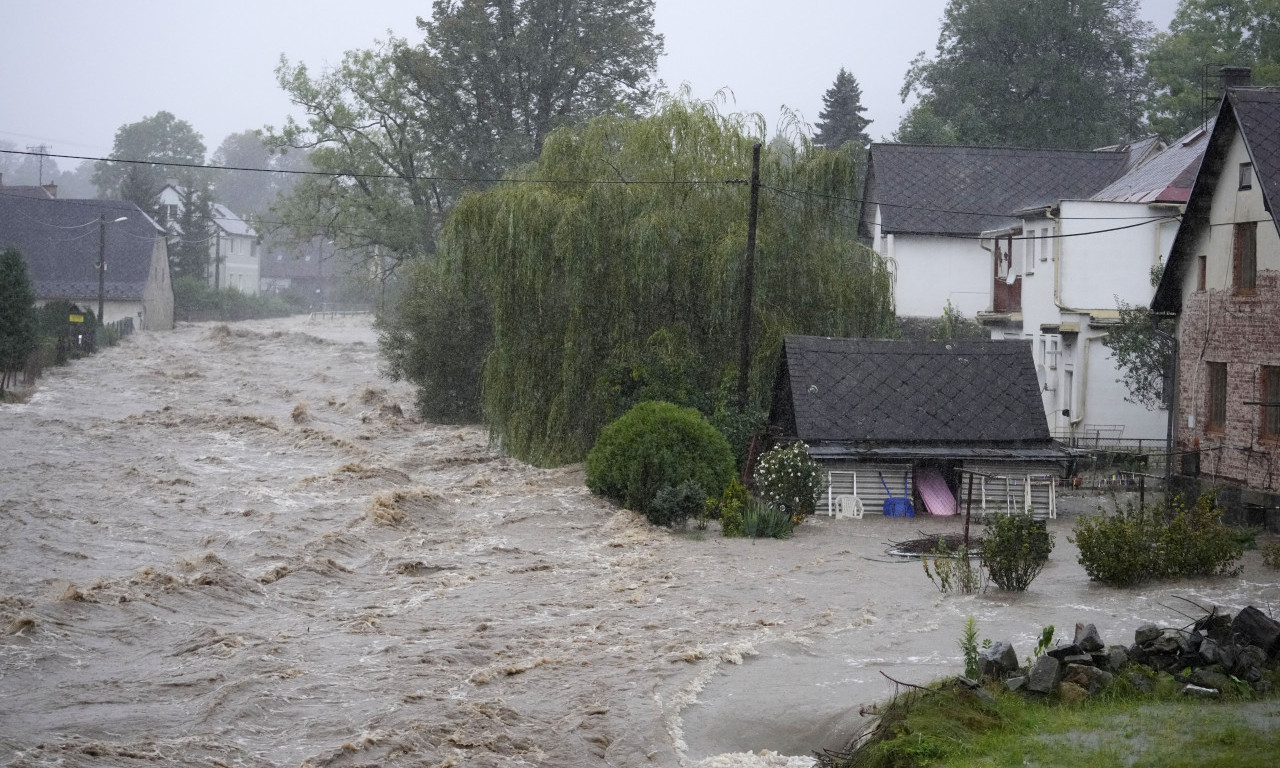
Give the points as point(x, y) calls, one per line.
point(1223, 284)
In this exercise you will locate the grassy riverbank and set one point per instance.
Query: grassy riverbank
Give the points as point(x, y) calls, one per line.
point(953, 726)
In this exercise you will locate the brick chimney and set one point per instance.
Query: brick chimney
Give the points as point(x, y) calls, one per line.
point(1234, 77)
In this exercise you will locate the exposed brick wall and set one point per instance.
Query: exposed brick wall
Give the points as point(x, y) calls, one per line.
point(1243, 332)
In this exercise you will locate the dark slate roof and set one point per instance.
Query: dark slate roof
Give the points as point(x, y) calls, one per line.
point(876, 392)
point(1258, 111)
point(1255, 113)
point(29, 191)
point(1165, 178)
point(58, 239)
point(926, 189)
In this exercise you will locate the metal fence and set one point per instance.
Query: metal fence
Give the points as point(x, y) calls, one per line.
point(1116, 463)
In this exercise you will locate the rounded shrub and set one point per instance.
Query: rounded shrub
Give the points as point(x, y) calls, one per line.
point(788, 478)
point(673, 506)
point(657, 445)
point(1015, 549)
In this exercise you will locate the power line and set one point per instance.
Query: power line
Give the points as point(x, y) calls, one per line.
point(383, 176)
point(489, 180)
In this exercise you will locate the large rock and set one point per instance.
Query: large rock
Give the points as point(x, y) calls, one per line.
point(1209, 679)
point(1171, 642)
point(1043, 675)
point(999, 660)
point(1063, 651)
point(1257, 628)
point(1088, 639)
point(1117, 658)
point(1210, 652)
point(1072, 693)
point(1146, 634)
point(1089, 678)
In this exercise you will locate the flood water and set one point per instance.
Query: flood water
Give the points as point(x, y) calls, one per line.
point(236, 545)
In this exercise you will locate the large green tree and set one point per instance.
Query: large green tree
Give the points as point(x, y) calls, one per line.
point(405, 129)
point(1205, 34)
point(158, 139)
point(251, 193)
point(841, 118)
point(17, 315)
point(1045, 73)
point(556, 302)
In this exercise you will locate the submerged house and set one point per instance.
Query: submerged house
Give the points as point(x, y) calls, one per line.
point(917, 419)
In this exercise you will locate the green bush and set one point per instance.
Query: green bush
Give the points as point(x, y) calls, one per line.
point(1271, 555)
point(1118, 549)
point(762, 520)
point(1135, 545)
point(1195, 542)
point(653, 446)
point(1014, 550)
point(728, 508)
point(674, 505)
point(193, 299)
point(788, 478)
point(954, 571)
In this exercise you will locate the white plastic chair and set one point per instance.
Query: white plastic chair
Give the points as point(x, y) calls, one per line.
point(848, 505)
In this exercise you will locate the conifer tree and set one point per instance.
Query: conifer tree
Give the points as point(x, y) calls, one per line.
point(841, 117)
point(17, 315)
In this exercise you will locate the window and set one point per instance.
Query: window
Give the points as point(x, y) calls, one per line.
point(1203, 276)
point(1044, 244)
point(1244, 269)
point(1217, 396)
point(1029, 254)
point(1271, 401)
point(1246, 176)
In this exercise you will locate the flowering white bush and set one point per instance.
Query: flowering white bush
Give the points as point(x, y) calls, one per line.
point(789, 479)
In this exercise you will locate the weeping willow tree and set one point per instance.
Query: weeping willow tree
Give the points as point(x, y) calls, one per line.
point(610, 270)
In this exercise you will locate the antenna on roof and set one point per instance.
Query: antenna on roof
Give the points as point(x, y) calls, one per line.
point(40, 149)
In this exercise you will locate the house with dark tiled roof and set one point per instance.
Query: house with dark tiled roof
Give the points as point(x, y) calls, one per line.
point(1222, 283)
point(61, 242)
point(927, 208)
point(915, 413)
point(1077, 260)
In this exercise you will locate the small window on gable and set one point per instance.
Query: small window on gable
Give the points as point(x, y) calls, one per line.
point(1217, 396)
point(1246, 176)
point(1202, 276)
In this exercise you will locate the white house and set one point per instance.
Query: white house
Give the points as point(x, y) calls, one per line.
point(234, 260)
point(1078, 260)
point(928, 207)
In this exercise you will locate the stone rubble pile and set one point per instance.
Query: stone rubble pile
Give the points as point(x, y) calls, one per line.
point(1215, 654)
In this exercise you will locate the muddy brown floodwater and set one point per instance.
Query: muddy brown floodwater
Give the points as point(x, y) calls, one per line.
point(236, 545)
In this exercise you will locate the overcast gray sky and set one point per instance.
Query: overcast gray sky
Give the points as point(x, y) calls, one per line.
point(73, 71)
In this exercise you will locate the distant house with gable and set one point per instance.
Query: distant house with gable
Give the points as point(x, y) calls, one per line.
point(1222, 283)
point(234, 260)
point(61, 241)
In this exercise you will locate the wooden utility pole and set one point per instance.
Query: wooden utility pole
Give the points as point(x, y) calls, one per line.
point(748, 280)
point(102, 267)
